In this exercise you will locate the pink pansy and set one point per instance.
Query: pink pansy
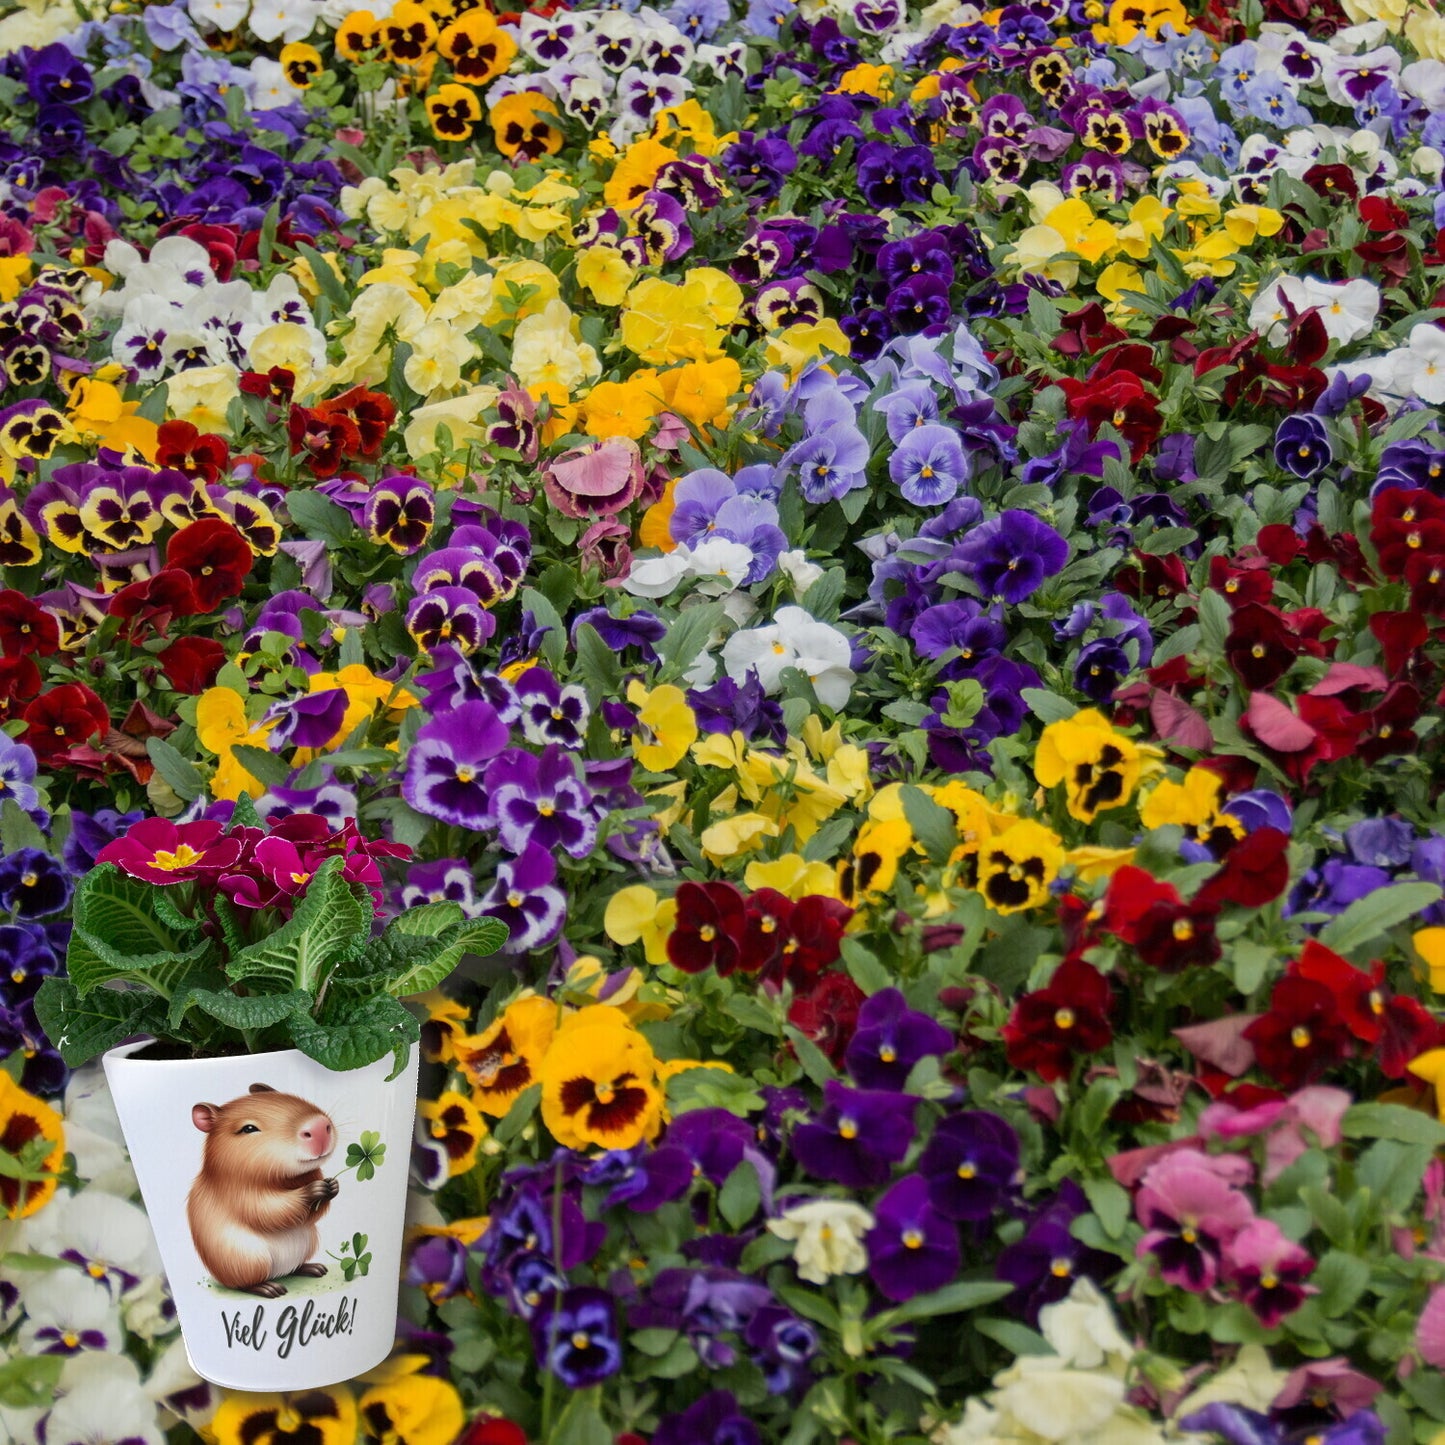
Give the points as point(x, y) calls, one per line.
point(1191, 1210)
point(1269, 1271)
point(1276, 726)
point(1430, 1330)
point(1221, 1042)
point(1328, 1383)
point(595, 480)
point(1309, 1116)
point(1130, 1165)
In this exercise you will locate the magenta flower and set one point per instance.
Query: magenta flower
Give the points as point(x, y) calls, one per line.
point(1191, 1210)
point(1269, 1271)
point(160, 851)
point(1334, 1382)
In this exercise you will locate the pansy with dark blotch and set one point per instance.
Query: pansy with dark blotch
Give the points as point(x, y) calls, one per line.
point(525, 898)
point(446, 764)
point(912, 1247)
point(540, 799)
point(449, 615)
point(400, 513)
point(971, 1163)
point(309, 721)
point(1011, 555)
point(551, 712)
point(575, 1337)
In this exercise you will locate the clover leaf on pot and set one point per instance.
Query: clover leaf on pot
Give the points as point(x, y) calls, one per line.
point(249, 940)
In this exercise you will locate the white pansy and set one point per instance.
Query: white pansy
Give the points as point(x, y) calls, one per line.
point(219, 14)
point(174, 1386)
point(655, 577)
point(1419, 366)
point(1250, 1381)
point(1425, 80)
point(146, 1309)
point(67, 1312)
point(268, 84)
point(1055, 1402)
point(1347, 309)
point(1427, 161)
point(827, 1237)
point(109, 1238)
point(284, 20)
point(794, 565)
point(101, 1402)
point(1082, 1329)
point(793, 639)
point(93, 1135)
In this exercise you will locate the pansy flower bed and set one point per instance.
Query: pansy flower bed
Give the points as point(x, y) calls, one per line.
point(900, 550)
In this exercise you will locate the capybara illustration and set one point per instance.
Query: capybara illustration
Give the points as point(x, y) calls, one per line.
point(254, 1205)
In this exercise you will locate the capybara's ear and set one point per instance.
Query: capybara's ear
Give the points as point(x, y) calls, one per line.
point(203, 1116)
point(262, 1089)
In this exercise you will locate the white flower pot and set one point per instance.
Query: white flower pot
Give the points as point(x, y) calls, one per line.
point(256, 1213)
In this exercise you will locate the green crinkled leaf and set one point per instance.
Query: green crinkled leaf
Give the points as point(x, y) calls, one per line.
point(81, 1027)
point(244, 814)
point(426, 920)
point(481, 936)
point(119, 934)
point(366, 1032)
point(238, 1011)
point(328, 928)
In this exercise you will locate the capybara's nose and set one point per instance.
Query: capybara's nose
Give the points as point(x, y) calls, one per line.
point(316, 1136)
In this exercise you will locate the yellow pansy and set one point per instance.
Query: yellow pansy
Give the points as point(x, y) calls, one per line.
point(412, 1410)
point(1117, 278)
point(793, 876)
point(1093, 864)
point(794, 348)
point(1016, 869)
point(98, 413)
point(865, 79)
point(599, 1083)
point(636, 170)
point(699, 391)
point(1430, 945)
point(669, 728)
point(1042, 251)
point(15, 273)
point(221, 726)
point(1147, 218)
point(1430, 1068)
point(623, 408)
point(1086, 235)
point(1245, 223)
point(1098, 766)
point(637, 915)
point(741, 833)
point(203, 396)
point(605, 273)
point(692, 123)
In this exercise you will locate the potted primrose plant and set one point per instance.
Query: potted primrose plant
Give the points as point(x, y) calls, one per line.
point(268, 1089)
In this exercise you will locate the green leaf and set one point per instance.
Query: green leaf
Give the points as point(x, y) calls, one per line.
point(1110, 1203)
point(238, 1011)
point(581, 1424)
point(182, 776)
point(119, 935)
point(320, 518)
point(810, 1056)
point(81, 1027)
point(405, 965)
point(687, 635)
point(244, 814)
point(1214, 621)
point(1047, 706)
point(740, 1195)
point(1376, 913)
point(952, 1299)
point(597, 664)
point(1341, 1279)
point(932, 824)
point(29, 1381)
point(370, 1030)
point(18, 830)
point(1017, 1338)
point(264, 766)
point(523, 1110)
point(1392, 1121)
point(1167, 540)
point(426, 920)
point(328, 928)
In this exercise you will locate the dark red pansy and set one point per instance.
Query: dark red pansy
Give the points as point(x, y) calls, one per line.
point(1407, 1030)
point(1171, 937)
point(1400, 635)
point(191, 663)
point(370, 412)
point(827, 1014)
point(1279, 543)
point(1131, 893)
point(215, 556)
point(19, 682)
point(815, 937)
point(327, 441)
point(1260, 647)
point(1243, 580)
point(155, 600)
point(63, 718)
point(1254, 872)
point(1303, 1035)
point(275, 385)
point(1052, 1026)
point(710, 928)
point(769, 914)
point(26, 628)
point(202, 455)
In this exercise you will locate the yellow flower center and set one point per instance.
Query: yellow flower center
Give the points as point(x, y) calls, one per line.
point(1061, 1268)
point(183, 857)
point(465, 775)
point(1268, 1281)
point(581, 1340)
point(848, 1128)
point(1064, 1018)
point(1299, 1036)
point(888, 1053)
point(1183, 930)
point(912, 1239)
point(967, 1170)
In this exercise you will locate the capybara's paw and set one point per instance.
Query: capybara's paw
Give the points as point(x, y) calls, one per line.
point(311, 1271)
point(320, 1192)
point(269, 1290)
point(332, 1187)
